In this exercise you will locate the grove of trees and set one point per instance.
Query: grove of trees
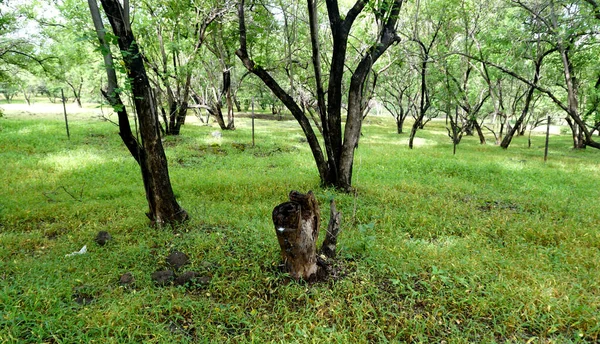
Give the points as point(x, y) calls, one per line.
point(488, 68)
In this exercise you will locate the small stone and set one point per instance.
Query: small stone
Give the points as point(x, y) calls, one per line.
point(177, 259)
point(191, 278)
point(163, 278)
point(102, 238)
point(126, 279)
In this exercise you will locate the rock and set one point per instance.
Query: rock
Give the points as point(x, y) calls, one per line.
point(216, 134)
point(192, 278)
point(102, 238)
point(177, 259)
point(126, 279)
point(163, 278)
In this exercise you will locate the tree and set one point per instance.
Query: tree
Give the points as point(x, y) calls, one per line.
point(565, 27)
point(174, 34)
point(218, 68)
point(462, 73)
point(163, 207)
point(336, 169)
point(399, 94)
point(431, 28)
point(18, 51)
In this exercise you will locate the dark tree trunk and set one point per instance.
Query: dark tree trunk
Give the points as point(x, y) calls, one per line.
point(177, 115)
point(413, 132)
point(228, 98)
point(76, 91)
point(163, 207)
point(328, 248)
point(216, 107)
point(27, 97)
point(238, 105)
point(479, 131)
point(400, 124)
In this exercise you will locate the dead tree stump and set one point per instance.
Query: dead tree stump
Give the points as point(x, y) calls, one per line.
point(297, 228)
point(328, 247)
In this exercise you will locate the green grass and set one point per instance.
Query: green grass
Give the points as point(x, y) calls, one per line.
point(487, 245)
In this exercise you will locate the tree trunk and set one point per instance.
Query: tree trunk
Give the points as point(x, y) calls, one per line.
point(509, 135)
point(413, 132)
point(399, 124)
point(163, 207)
point(177, 113)
point(479, 132)
point(228, 99)
point(216, 111)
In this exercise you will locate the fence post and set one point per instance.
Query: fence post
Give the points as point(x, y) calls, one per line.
point(547, 139)
point(65, 111)
point(252, 121)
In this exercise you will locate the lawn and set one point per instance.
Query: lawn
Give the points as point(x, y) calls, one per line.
point(487, 245)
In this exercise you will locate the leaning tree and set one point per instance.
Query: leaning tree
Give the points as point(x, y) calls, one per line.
point(149, 153)
point(335, 165)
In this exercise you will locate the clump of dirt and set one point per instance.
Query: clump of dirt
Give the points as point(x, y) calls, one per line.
point(177, 259)
point(502, 205)
point(102, 238)
point(163, 278)
point(83, 295)
point(192, 279)
point(189, 279)
point(127, 279)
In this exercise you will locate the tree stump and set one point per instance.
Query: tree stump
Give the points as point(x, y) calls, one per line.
point(328, 248)
point(297, 228)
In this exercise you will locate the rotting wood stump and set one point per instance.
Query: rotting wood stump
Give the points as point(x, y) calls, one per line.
point(297, 228)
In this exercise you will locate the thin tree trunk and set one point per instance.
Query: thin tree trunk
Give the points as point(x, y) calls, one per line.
point(479, 131)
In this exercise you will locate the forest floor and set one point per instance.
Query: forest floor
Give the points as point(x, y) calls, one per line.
point(484, 246)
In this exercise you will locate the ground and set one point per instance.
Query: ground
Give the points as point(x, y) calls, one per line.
point(487, 245)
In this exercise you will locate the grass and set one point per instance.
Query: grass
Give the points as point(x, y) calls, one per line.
point(487, 245)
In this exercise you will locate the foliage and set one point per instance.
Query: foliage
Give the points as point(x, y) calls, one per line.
point(485, 246)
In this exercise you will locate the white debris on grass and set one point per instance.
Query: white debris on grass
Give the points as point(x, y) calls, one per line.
point(82, 251)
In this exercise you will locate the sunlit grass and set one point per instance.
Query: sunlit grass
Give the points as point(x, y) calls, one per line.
point(487, 245)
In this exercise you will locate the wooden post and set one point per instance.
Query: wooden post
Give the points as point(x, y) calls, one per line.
point(65, 111)
point(252, 121)
point(547, 140)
